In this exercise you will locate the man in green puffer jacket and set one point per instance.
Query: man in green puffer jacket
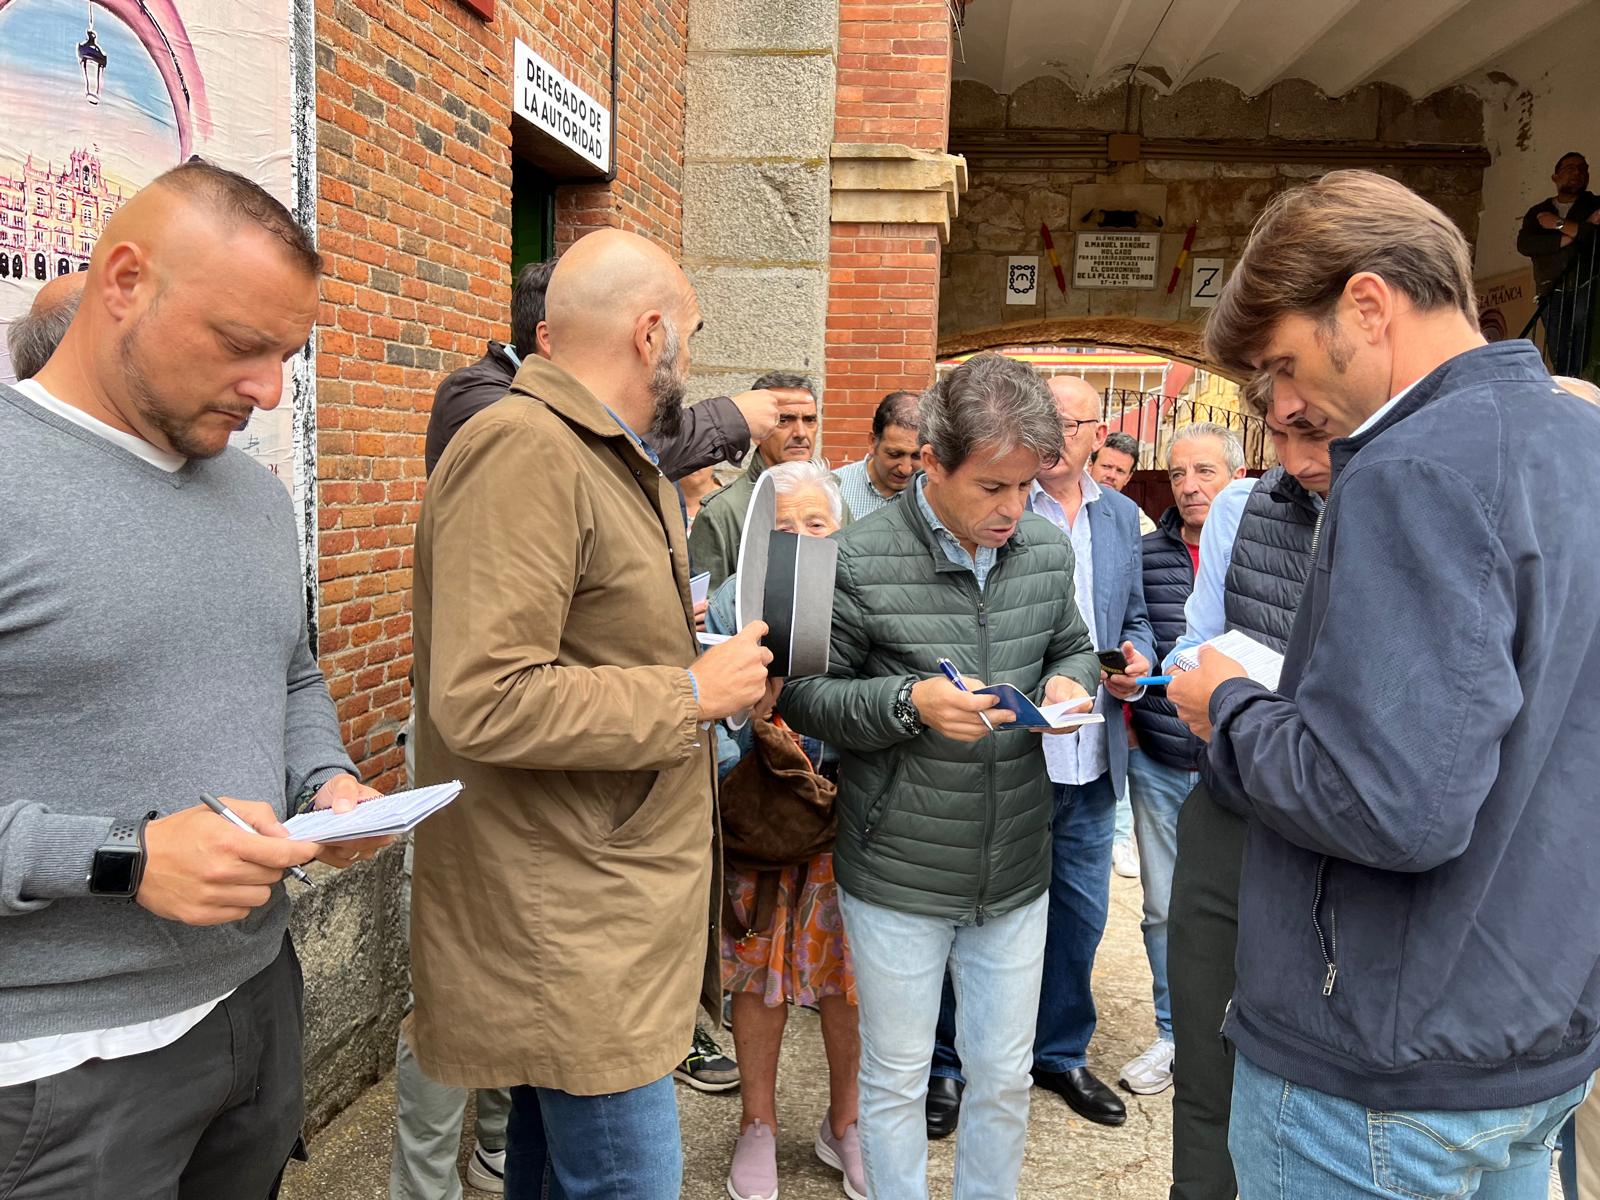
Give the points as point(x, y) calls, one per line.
point(943, 853)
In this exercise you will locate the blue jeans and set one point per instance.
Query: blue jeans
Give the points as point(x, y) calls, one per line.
point(1124, 817)
point(946, 1062)
point(900, 960)
point(1290, 1142)
point(622, 1146)
point(1158, 792)
point(1080, 895)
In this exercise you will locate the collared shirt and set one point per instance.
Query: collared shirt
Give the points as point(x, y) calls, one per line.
point(987, 556)
point(1204, 614)
point(648, 450)
point(1077, 758)
point(1384, 411)
point(862, 498)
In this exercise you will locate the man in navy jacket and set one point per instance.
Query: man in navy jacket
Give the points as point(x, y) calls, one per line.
point(1418, 978)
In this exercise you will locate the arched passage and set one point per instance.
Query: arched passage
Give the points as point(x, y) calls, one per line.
point(1177, 340)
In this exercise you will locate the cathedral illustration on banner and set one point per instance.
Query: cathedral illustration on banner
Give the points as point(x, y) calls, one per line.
point(51, 215)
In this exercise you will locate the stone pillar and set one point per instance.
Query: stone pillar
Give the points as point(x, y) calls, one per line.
point(758, 126)
point(893, 197)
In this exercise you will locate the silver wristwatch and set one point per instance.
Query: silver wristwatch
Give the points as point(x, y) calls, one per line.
point(906, 712)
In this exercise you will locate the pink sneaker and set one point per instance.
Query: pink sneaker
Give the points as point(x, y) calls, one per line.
point(843, 1154)
point(754, 1173)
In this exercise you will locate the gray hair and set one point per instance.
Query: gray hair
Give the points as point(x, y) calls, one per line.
point(1122, 443)
point(788, 381)
point(1232, 448)
point(791, 477)
point(990, 400)
point(34, 336)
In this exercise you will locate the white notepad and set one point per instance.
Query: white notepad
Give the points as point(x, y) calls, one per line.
point(382, 816)
point(1262, 663)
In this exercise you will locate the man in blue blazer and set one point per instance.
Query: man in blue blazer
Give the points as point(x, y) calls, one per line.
point(1089, 769)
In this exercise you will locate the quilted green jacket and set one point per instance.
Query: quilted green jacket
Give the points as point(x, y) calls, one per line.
point(927, 825)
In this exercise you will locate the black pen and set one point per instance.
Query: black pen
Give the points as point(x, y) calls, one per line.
point(227, 814)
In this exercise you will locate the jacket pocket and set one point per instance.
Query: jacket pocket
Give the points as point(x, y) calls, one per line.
point(634, 806)
point(882, 804)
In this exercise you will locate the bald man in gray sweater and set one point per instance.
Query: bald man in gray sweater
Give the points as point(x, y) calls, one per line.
point(153, 648)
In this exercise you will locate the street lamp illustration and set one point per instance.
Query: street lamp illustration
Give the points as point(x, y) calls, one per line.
point(91, 57)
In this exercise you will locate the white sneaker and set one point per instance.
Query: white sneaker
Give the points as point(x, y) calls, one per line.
point(1151, 1072)
point(1125, 858)
point(486, 1170)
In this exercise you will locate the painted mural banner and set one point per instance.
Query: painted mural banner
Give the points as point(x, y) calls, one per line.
point(100, 97)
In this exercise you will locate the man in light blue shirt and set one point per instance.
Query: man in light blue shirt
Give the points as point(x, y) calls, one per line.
point(1255, 551)
point(891, 463)
point(1303, 451)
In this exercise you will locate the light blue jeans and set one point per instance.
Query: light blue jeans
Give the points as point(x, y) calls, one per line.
point(1124, 816)
point(1290, 1143)
point(1158, 792)
point(996, 967)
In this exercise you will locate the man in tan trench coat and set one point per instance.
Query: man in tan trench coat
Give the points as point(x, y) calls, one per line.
point(561, 907)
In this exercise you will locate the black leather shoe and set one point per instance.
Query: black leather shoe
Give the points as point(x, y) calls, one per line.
point(944, 1106)
point(1084, 1094)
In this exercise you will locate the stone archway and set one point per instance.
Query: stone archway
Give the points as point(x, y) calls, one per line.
point(1177, 340)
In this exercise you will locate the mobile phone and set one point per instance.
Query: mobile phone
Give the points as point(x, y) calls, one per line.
point(1112, 661)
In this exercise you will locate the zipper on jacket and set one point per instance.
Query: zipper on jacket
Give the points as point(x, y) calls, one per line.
point(1316, 532)
point(988, 814)
point(1226, 1009)
point(1327, 940)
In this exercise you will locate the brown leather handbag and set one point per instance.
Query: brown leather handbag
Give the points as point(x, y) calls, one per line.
point(777, 812)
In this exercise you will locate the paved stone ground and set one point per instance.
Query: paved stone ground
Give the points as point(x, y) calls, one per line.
point(1067, 1156)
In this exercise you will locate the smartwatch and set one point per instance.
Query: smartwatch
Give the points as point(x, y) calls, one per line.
point(118, 865)
point(906, 712)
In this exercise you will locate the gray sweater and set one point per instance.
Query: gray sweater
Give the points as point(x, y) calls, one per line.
point(152, 647)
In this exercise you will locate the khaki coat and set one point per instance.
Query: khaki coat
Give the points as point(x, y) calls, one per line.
point(562, 927)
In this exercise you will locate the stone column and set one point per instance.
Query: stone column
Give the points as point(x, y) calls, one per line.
point(759, 123)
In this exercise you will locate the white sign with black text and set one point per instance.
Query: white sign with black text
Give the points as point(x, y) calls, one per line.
point(1022, 279)
point(566, 112)
point(1205, 282)
point(1115, 260)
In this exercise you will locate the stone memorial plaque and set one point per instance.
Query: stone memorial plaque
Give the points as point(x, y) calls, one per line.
point(1115, 260)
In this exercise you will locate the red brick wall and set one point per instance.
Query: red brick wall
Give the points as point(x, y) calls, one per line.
point(883, 316)
point(414, 165)
point(883, 280)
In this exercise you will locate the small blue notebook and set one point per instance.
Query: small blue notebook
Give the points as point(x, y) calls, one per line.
point(1031, 716)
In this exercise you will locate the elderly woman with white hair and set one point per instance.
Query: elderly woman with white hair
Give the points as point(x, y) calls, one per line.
point(783, 938)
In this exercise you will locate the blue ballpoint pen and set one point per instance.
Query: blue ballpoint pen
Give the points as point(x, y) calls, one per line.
point(1153, 680)
point(227, 814)
point(954, 676)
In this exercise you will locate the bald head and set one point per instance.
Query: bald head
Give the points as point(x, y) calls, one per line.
point(1076, 398)
point(33, 337)
point(603, 285)
point(620, 312)
point(1083, 432)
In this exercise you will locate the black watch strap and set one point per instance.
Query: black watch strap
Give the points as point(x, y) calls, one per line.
point(118, 865)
